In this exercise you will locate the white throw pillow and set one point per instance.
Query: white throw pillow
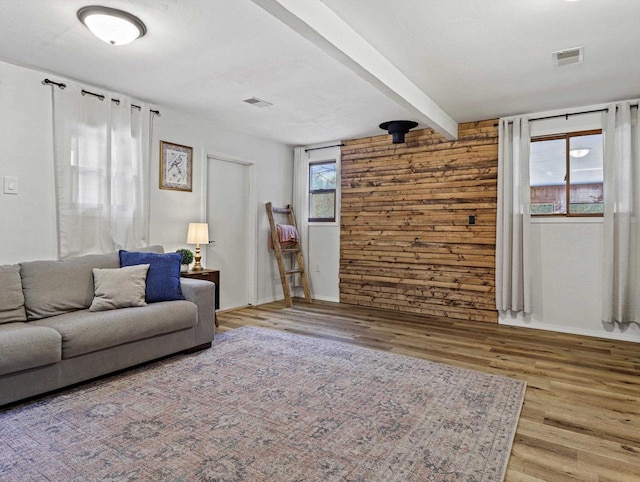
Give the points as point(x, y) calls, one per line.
point(119, 288)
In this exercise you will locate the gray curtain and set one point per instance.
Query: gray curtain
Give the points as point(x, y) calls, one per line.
point(513, 221)
point(621, 247)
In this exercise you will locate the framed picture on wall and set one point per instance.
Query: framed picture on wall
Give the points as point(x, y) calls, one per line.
point(175, 166)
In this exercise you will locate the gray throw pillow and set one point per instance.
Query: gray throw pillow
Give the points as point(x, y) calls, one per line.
point(11, 297)
point(119, 288)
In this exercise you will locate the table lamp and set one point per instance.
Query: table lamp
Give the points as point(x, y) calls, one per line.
point(198, 234)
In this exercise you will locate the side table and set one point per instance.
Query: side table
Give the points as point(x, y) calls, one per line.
point(212, 275)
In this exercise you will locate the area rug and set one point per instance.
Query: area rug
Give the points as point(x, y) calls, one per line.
point(264, 405)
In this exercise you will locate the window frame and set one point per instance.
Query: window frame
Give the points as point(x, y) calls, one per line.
point(567, 137)
point(311, 192)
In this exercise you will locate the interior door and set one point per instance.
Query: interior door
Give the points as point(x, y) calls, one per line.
point(230, 224)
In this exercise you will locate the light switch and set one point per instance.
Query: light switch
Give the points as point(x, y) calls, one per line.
point(10, 185)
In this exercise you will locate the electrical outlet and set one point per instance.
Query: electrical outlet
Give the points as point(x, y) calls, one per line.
point(472, 219)
point(10, 185)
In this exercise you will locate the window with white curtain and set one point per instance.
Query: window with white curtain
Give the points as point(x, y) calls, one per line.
point(101, 157)
point(322, 191)
point(88, 191)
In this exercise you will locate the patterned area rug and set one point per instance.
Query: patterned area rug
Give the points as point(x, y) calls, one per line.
point(264, 405)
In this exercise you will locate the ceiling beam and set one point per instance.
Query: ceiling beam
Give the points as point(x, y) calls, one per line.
point(319, 24)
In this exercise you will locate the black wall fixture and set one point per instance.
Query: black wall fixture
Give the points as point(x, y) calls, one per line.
point(398, 128)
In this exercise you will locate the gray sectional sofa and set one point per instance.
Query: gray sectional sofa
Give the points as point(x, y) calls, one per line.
point(49, 339)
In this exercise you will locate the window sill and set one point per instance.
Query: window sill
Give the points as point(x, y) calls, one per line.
point(567, 220)
point(332, 224)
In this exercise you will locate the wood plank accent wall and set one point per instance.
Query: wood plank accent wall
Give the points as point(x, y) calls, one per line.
point(405, 241)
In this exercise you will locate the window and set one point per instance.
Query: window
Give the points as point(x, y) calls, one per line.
point(88, 168)
point(322, 191)
point(567, 171)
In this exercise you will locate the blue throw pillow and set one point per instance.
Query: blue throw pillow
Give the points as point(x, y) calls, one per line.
point(163, 278)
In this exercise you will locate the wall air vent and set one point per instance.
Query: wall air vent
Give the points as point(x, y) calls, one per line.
point(257, 102)
point(568, 56)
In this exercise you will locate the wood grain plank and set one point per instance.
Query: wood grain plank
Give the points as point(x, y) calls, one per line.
point(404, 222)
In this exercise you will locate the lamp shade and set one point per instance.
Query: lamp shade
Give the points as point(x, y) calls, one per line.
point(198, 233)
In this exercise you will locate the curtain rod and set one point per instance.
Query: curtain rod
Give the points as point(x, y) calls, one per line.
point(325, 147)
point(566, 116)
point(99, 96)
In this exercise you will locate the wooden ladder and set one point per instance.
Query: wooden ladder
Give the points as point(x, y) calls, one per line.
point(279, 250)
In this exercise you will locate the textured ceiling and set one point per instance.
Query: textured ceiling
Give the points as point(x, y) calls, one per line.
point(475, 59)
point(492, 58)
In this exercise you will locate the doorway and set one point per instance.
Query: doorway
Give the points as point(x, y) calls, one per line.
point(232, 224)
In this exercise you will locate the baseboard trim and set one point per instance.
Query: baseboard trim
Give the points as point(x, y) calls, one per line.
point(264, 301)
point(327, 298)
point(227, 310)
point(573, 331)
point(296, 297)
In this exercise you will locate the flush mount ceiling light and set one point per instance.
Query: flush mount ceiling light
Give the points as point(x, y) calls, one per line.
point(398, 128)
point(578, 153)
point(111, 25)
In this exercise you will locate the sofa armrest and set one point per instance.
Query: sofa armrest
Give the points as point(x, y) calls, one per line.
point(202, 293)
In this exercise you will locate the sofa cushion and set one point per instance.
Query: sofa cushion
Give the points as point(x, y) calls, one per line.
point(85, 332)
point(163, 279)
point(119, 288)
point(11, 297)
point(55, 287)
point(23, 346)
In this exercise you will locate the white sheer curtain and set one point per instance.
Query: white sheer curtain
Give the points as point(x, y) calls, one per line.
point(301, 198)
point(101, 156)
point(621, 246)
point(513, 291)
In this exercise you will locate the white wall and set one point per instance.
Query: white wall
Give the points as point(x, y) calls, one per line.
point(324, 262)
point(566, 262)
point(171, 211)
point(27, 220)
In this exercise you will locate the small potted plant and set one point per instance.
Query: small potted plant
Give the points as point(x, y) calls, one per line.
point(187, 258)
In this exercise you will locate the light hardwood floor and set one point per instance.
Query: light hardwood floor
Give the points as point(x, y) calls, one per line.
point(581, 415)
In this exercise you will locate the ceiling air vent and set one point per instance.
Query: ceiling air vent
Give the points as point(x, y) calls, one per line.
point(568, 56)
point(257, 102)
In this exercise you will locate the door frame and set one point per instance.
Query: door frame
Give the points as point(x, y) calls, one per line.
point(252, 274)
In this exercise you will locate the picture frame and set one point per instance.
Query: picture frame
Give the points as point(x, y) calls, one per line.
point(176, 167)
